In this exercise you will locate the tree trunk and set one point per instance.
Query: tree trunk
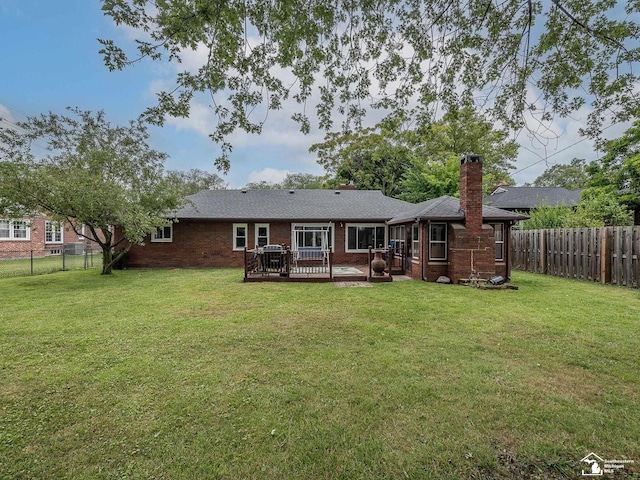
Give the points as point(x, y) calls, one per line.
point(107, 260)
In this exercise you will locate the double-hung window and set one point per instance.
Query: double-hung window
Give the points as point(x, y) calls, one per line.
point(52, 232)
point(498, 233)
point(262, 234)
point(163, 234)
point(14, 230)
point(437, 241)
point(362, 236)
point(240, 234)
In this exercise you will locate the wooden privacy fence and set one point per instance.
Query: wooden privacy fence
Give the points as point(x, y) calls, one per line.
point(606, 255)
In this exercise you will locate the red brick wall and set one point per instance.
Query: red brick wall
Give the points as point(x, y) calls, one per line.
point(471, 254)
point(36, 242)
point(209, 243)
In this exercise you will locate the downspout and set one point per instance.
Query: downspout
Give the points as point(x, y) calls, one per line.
point(507, 250)
point(425, 250)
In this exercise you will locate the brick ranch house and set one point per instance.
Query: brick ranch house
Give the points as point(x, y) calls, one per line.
point(40, 236)
point(458, 238)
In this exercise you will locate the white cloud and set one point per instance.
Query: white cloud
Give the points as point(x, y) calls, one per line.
point(269, 175)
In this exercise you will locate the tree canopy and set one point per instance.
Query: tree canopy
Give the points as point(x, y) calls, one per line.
point(516, 59)
point(92, 174)
point(618, 171)
point(292, 181)
point(571, 176)
point(194, 180)
point(421, 163)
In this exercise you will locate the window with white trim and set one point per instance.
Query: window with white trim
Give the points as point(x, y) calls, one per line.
point(52, 232)
point(14, 230)
point(498, 233)
point(163, 234)
point(239, 236)
point(437, 241)
point(415, 242)
point(311, 236)
point(396, 239)
point(362, 236)
point(262, 234)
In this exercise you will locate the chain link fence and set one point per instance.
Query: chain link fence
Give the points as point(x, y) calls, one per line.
point(72, 256)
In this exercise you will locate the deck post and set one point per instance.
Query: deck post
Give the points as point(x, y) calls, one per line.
point(330, 264)
point(245, 263)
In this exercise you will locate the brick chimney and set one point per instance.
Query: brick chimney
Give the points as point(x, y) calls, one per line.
point(471, 191)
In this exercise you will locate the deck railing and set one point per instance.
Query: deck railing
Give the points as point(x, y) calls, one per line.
point(287, 262)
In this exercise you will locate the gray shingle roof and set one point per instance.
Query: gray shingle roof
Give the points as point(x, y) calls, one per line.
point(448, 208)
point(318, 205)
point(529, 197)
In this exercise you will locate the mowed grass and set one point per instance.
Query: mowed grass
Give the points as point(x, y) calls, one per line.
point(40, 265)
point(194, 374)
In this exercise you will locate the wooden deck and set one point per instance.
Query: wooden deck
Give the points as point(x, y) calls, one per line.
point(279, 267)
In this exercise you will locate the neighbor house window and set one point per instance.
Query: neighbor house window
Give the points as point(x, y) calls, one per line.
point(163, 234)
point(498, 233)
point(239, 236)
point(262, 234)
point(437, 241)
point(314, 236)
point(415, 243)
point(361, 237)
point(14, 230)
point(52, 232)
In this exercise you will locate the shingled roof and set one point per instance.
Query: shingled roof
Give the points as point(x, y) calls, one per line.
point(309, 205)
point(448, 208)
point(524, 198)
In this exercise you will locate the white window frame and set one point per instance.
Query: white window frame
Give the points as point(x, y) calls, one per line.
point(318, 226)
point(236, 236)
point(499, 242)
point(52, 228)
point(162, 237)
point(432, 242)
point(11, 225)
point(415, 240)
point(363, 225)
point(257, 237)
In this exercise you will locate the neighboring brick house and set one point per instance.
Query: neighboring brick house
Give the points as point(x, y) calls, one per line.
point(443, 236)
point(523, 199)
point(39, 236)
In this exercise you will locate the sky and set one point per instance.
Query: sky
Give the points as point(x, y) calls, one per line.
point(49, 60)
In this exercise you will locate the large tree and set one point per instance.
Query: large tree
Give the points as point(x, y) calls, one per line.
point(618, 171)
point(416, 164)
point(371, 159)
point(91, 173)
point(194, 180)
point(515, 58)
point(571, 176)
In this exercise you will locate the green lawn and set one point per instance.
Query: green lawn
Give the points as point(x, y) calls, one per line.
point(194, 374)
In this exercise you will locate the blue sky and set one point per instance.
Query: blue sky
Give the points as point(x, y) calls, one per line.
point(49, 60)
